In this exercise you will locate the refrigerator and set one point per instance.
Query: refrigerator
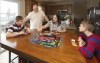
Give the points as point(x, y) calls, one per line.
point(94, 18)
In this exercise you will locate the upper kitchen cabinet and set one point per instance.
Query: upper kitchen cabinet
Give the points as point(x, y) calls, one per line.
point(53, 9)
point(29, 6)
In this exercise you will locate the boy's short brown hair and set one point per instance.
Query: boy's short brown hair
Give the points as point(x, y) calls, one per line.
point(18, 18)
point(88, 25)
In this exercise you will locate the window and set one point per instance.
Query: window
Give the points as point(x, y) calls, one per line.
point(8, 11)
point(40, 7)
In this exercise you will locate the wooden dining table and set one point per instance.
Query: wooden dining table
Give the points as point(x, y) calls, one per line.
point(66, 53)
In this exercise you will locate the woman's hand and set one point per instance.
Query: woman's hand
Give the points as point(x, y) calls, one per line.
point(39, 29)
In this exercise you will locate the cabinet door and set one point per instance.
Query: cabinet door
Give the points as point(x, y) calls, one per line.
point(28, 6)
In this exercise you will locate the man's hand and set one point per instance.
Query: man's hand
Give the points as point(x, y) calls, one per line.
point(81, 42)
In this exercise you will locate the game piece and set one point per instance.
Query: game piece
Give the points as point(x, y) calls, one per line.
point(47, 39)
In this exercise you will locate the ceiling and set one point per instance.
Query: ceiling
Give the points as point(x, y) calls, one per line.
point(52, 0)
point(61, 1)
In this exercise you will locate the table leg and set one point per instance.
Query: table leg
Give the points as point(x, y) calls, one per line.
point(9, 57)
point(27, 61)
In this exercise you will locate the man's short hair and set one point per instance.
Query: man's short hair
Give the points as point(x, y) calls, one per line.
point(88, 25)
point(35, 4)
point(18, 18)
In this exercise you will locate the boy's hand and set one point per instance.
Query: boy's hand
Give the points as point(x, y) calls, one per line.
point(81, 42)
point(27, 31)
point(21, 32)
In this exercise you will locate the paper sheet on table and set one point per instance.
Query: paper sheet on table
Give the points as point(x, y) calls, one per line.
point(74, 44)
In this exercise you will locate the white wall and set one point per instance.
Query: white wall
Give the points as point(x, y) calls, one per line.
point(0, 32)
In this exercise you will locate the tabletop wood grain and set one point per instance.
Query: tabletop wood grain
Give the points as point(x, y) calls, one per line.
point(64, 54)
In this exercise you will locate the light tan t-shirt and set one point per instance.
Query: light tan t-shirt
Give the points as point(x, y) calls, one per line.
point(36, 19)
point(56, 27)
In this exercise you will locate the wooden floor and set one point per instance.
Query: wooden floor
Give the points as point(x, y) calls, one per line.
point(4, 57)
